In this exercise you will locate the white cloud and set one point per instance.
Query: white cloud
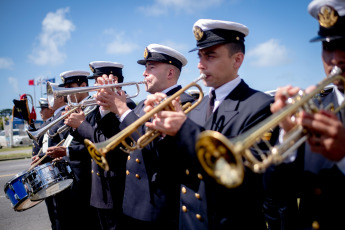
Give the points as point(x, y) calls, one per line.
point(56, 31)
point(270, 53)
point(160, 7)
point(120, 43)
point(6, 63)
point(14, 83)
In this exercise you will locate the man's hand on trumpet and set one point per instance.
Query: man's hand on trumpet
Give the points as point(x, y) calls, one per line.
point(109, 99)
point(167, 122)
point(326, 131)
point(75, 119)
point(280, 101)
point(327, 134)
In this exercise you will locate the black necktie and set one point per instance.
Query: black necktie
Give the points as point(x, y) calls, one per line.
point(212, 97)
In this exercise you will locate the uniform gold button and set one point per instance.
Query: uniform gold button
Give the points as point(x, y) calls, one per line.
point(200, 176)
point(92, 171)
point(197, 195)
point(184, 208)
point(187, 172)
point(137, 160)
point(97, 173)
point(137, 176)
point(127, 172)
point(315, 225)
point(129, 157)
point(198, 216)
point(184, 190)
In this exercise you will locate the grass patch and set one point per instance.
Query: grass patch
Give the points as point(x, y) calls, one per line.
point(5, 149)
point(15, 156)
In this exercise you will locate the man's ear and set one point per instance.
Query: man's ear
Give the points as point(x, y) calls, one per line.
point(238, 57)
point(171, 73)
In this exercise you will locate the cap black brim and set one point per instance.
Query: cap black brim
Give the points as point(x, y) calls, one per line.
point(142, 62)
point(328, 39)
point(209, 44)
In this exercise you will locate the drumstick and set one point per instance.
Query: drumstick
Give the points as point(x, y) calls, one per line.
point(44, 156)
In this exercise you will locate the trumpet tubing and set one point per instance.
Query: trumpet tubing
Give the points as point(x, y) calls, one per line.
point(54, 91)
point(35, 135)
point(98, 151)
point(222, 158)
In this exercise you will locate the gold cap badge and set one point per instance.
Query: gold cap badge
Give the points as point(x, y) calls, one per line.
point(327, 16)
point(91, 68)
point(146, 53)
point(198, 33)
point(62, 79)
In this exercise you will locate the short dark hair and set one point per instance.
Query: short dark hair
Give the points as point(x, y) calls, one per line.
point(81, 82)
point(235, 47)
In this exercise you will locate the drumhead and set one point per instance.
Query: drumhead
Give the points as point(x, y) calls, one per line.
point(51, 190)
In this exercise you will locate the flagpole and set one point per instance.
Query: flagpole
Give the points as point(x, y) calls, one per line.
point(41, 85)
point(34, 95)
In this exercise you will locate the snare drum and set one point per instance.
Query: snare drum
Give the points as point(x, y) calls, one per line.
point(17, 192)
point(48, 179)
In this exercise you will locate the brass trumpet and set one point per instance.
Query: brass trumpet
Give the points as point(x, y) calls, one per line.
point(98, 151)
point(54, 91)
point(222, 158)
point(35, 135)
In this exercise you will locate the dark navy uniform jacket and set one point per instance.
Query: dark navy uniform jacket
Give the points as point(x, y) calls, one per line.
point(106, 186)
point(150, 194)
point(205, 204)
point(316, 181)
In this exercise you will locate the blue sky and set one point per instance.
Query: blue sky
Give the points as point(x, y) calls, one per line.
point(41, 39)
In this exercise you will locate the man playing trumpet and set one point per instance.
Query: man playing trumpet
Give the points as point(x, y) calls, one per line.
point(316, 177)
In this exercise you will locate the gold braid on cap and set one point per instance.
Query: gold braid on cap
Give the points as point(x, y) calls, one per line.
point(198, 33)
point(91, 68)
point(146, 53)
point(327, 16)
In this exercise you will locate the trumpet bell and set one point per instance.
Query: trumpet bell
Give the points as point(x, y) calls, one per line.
point(215, 154)
point(96, 155)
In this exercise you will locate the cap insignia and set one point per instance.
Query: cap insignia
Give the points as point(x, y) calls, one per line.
point(327, 16)
point(146, 53)
point(62, 79)
point(198, 33)
point(91, 68)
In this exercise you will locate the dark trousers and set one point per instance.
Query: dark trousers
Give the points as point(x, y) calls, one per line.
point(129, 223)
point(109, 219)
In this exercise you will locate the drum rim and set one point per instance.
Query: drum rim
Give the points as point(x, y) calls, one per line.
point(22, 200)
point(20, 174)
